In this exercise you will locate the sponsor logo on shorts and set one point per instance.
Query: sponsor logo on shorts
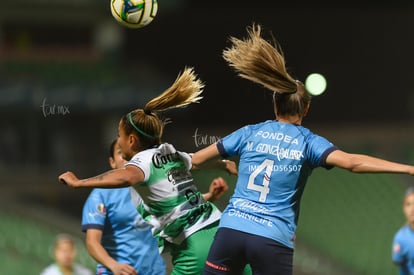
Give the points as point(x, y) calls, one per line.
point(217, 267)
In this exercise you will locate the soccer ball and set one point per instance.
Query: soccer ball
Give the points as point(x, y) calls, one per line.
point(134, 13)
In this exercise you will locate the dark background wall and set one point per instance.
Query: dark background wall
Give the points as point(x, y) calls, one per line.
point(68, 72)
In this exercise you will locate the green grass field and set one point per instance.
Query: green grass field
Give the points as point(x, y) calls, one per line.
point(353, 218)
point(25, 245)
point(347, 222)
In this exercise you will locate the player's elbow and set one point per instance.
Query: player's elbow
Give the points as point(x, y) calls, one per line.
point(131, 175)
point(353, 167)
point(129, 180)
point(350, 162)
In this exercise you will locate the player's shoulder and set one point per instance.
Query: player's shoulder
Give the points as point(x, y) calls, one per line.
point(143, 153)
point(103, 191)
point(82, 270)
point(272, 127)
point(407, 230)
point(257, 126)
point(50, 270)
point(403, 232)
point(311, 136)
point(142, 157)
point(108, 192)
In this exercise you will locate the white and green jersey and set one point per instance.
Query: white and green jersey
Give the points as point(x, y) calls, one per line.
point(170, 195)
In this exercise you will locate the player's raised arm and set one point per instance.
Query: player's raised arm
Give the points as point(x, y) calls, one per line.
point(359, 163)
point(122, 177)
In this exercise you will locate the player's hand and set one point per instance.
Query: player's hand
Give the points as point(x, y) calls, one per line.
point(123, 269)
point(217, 188)
point(230, 167)
point(69, 179)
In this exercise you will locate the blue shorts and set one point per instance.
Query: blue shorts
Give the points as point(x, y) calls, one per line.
point(233, 249)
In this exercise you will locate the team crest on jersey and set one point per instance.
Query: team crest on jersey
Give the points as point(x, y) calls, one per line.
point(396, 248)
point(101, 209)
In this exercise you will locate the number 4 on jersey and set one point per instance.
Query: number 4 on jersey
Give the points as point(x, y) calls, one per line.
point(266, 165)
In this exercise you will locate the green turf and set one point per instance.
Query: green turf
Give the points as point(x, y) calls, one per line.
point(25, 245)
point(353, 218)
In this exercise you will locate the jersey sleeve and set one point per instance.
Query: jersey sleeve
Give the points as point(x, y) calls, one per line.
point(398, 250)
point(231, 144)
point(94, 210)
point(318, 150)
point(140, 160)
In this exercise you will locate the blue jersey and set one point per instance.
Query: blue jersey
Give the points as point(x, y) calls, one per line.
point(276, 160)
point(125, 235)
point(403, 250)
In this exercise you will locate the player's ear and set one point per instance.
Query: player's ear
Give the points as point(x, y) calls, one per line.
point(306, 110)
point(133, 141)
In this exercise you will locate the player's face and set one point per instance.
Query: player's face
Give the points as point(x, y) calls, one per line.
point(409, 208)
point(124, 143)
point(65, 253)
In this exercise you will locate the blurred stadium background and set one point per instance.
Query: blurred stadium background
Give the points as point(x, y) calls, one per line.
point(68, 72)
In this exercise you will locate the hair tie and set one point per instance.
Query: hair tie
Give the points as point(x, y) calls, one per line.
point(139, 130)
point(147, 112)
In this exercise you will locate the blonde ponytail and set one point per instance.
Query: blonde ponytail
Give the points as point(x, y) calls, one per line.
point(185, 90)
point(257, 60)
point(146, 123)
